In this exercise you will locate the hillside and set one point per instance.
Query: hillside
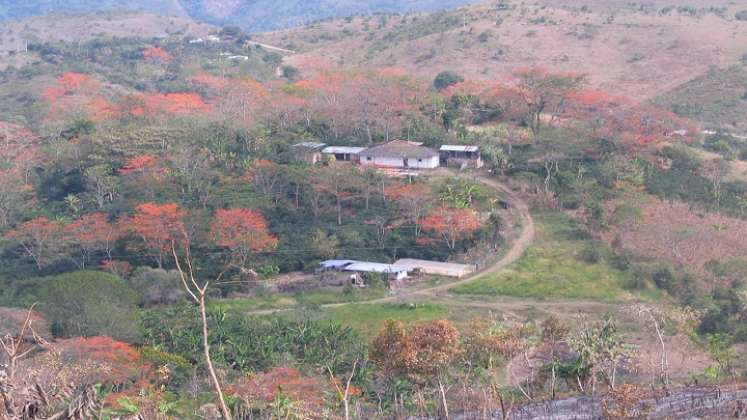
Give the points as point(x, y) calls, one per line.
point(11, 9)
point(639, 52)
point(85, 27)
point(268, 14)
point(250, 15)
point(206, 223)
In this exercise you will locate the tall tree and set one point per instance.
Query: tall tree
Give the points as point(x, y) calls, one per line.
point(544, 93)
point(451, 224)
point(90, 234)
point(155, 224)
point(413, 200)
point(40, 238)
point(243, 232)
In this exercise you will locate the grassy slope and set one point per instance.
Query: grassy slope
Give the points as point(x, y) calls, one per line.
point(552, 269)
point(717, 98)
point(310, 298)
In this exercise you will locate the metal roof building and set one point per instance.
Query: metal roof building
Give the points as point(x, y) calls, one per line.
point(365, 267)
point(436, 267)
point(336, 264)
point(332, 150)
point(344, 153)
point(371, 267)
point(458, 148)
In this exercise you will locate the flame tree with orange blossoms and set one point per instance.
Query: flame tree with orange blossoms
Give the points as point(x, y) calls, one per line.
point(451, 224)
point(243, 232)
point(156, 225)
point(90, 234)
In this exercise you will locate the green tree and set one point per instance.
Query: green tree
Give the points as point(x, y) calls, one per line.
point(90, 303)
point(445, 79)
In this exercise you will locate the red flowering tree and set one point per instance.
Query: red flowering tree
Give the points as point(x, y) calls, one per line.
point(413, 200)
point(40, 238)
point(629, 124)
point(76, 94)
point(90, 234)
point(116, 362)
point(157, 54)
point(242, 232)
point(145, 171)
point(158, 226)
point(263, 388)
point(152, 104)
point(452, 224)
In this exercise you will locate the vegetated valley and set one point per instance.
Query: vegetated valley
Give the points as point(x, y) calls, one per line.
point(507, 210)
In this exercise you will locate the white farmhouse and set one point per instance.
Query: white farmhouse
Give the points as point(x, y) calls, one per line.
point(400, 154)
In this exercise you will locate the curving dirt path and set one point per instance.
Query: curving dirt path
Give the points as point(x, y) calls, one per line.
point(518, 246)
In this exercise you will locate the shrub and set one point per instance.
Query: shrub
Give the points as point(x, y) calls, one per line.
point(90, 303)
point(664, 278)
point(445, 79)
point(180, 370)
point(741, 15)
point(590, 255)
point(157, 286)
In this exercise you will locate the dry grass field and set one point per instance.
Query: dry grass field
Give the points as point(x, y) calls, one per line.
point(15, 34)
point(640, 52)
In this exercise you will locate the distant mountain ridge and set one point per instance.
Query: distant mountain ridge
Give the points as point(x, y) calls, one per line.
point(253, 15)
point(20, 9)
point(262, 15)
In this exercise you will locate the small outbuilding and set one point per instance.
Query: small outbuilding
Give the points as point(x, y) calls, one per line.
point(309, 152)
point(400, 154)
point(460, 156)
point(344, 153)
point(394, 273)
point(435, 267)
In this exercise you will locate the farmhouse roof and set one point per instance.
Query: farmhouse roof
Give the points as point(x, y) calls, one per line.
point(400, 148)
point(343, 150)
point(371, 267)
point(458, 148)
point(436, 267)
point(310, 145)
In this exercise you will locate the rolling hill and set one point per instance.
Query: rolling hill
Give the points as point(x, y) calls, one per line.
point(253, 15)
point(637, 51)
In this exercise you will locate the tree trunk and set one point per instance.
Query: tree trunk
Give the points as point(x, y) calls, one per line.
point(206, 348)
point(443, 399)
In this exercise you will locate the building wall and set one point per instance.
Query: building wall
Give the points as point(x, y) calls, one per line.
point(390, 162)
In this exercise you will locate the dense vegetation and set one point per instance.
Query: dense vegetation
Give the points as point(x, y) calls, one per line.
point(153, 191)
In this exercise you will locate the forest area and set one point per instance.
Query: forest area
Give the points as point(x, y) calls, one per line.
point(161, 235)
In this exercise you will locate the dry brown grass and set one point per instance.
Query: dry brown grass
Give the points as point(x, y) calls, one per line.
point(88, 26)
point(679, 234)
point(630, 52)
